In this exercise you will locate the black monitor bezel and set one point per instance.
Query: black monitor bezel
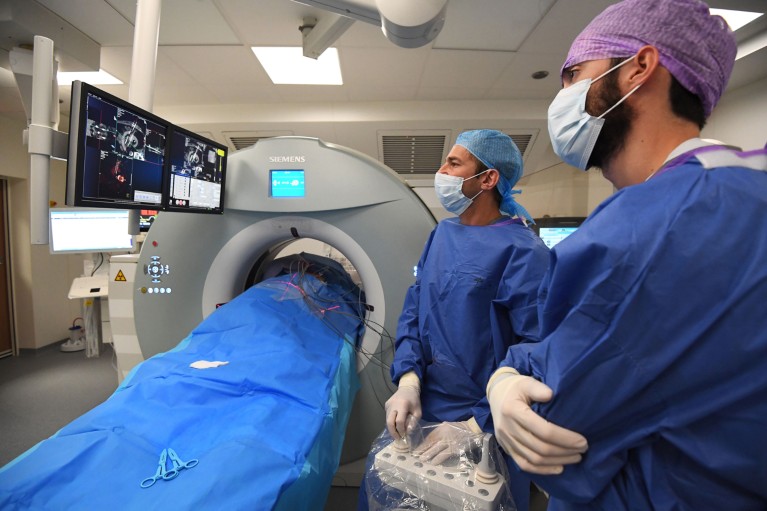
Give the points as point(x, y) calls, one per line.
point(76, 149)
point(561, 221)
point(167, 206)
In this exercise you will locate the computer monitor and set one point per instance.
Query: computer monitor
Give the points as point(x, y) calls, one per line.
point(83, 230)
point(146, 219)
point(197, 173)
point(116, 152)
point(554, 230)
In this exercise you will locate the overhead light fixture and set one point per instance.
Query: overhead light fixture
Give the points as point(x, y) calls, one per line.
point(736, 19)
point(99, 77)
point(288, 66)
point(739, 19)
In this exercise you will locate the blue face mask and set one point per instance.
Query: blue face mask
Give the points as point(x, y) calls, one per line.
point(574, 131)
point(449, 191)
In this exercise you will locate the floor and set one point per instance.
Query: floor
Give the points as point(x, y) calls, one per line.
point(43, 390)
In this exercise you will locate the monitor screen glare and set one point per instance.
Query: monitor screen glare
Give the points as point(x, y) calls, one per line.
point(124, 154)
point(553, 235)
point(96, 230)
point(287, 184)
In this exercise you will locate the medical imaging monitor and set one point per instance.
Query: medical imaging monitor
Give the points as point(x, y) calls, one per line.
point(116, 152)
point(197, 173)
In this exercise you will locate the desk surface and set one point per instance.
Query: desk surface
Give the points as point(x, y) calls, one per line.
point(89, 287)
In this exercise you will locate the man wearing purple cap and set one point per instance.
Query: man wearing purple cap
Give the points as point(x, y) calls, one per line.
point(654, 314)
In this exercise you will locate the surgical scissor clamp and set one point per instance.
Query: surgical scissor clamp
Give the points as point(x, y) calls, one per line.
point(178, 464)
point(162, 472)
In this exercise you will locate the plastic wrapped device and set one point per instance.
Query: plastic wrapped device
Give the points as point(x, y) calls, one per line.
point(401, 474)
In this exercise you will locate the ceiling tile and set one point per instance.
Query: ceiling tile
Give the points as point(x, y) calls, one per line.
point(502, 25)
point(463, 68)
point(213, 65)
point(516, 80)
point(96, 19)
point(397, 67)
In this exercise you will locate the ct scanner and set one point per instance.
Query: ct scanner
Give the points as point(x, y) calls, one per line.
point(190, 263)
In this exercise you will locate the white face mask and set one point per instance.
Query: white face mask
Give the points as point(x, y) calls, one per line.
point(572, 130)
point(448, 190)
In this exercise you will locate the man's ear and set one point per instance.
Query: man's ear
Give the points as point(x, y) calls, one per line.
point(490, 179)
point(643, 66)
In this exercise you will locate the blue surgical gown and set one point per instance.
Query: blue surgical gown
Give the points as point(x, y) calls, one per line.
point(654, 341)
point(467, 274)
point(475, 295)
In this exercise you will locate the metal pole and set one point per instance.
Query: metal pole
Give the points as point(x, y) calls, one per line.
point(146, 35)
point(40, 161)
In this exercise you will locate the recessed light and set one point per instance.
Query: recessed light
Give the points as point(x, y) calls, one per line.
point(99, 77)
point(288, 66)
point(540, 75)
point(736, 19)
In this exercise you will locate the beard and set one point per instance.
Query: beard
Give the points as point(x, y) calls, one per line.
point(617, 123)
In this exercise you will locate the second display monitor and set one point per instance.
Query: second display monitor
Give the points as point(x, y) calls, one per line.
point(197, 167)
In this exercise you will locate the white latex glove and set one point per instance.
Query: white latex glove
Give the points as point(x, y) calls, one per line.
point(448, 440)
point(536, 445)
point(402, 405)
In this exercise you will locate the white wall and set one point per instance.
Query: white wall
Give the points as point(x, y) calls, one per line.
point(40, 281)
point(562, 190)
point(741, 117)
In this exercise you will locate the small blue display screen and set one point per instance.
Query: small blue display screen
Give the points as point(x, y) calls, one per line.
point(553, 235)
point(286, 184)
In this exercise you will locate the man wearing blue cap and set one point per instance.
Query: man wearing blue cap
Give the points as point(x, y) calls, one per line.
point(653, 327)
point(475, 294)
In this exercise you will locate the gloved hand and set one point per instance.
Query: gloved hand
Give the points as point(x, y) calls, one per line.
point(536, 445)
point(404, 403)
point(449, 439)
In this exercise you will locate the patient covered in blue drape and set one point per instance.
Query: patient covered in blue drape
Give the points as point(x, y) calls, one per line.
point(260, 393)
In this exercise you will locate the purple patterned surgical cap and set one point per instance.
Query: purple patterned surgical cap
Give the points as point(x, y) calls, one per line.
point(698, 49)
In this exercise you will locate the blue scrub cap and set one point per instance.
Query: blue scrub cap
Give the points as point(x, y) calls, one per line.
point(498, 151)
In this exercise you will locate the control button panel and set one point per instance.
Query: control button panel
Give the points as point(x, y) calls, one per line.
point(156, 270)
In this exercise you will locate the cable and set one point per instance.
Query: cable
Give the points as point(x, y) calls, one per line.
point(324, 308)
point(99, 265)
point(312, 302)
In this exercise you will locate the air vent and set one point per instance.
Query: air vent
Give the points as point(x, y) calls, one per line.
point(241, 140)
point(522, 141)
point(413, 153)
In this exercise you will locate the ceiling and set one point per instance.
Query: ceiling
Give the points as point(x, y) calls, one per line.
point(476, 73)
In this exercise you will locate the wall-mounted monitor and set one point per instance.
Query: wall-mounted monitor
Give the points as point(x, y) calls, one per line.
point(287, 184)
point(197, 173)
point(554, 230)
point(116, 152)
point(82, 230)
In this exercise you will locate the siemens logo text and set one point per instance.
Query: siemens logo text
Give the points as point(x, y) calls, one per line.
point(287, 159)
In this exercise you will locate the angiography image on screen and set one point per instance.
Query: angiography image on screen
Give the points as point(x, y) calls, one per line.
point(124, 155)
point(197, 168)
